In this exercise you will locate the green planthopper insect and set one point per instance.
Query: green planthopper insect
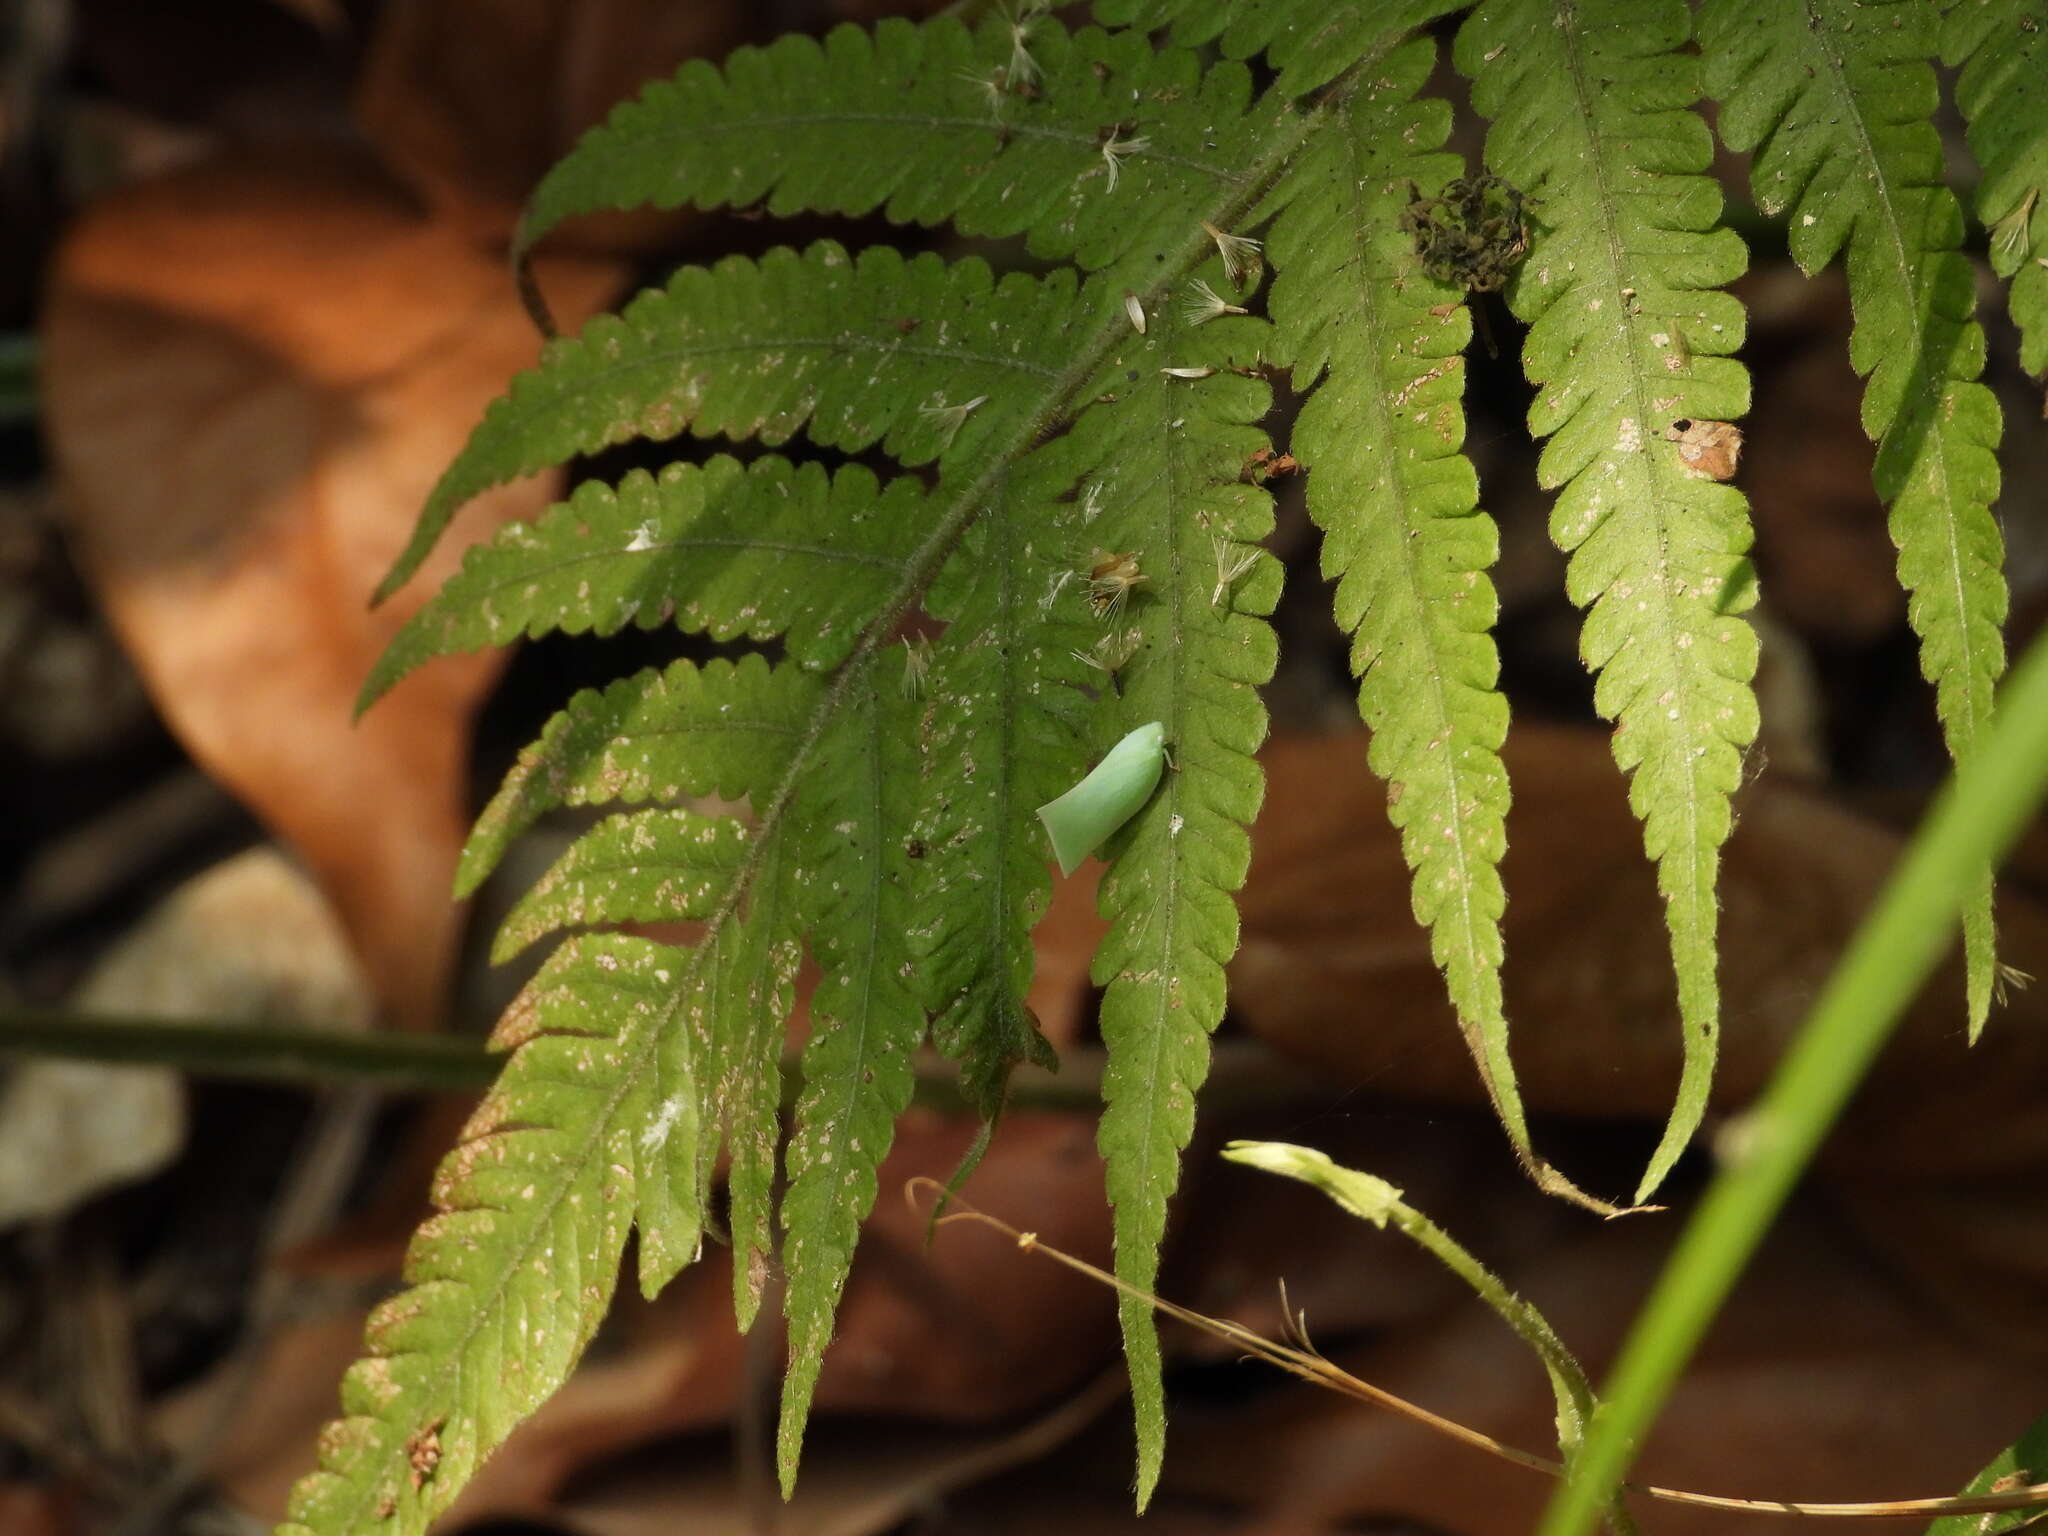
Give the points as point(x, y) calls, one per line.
point(1081, 819)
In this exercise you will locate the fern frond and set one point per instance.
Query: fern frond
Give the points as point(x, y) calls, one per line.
point(1164, 453)
point(1310, 42)
point(930, 361)
point(1836, 99)
point(726, 728)
point(2001, 46)
point(631, 1063)
point(739, 552)
point(508, 1282)
point(1383, 346)
point(1590, 102)
point(866, 1021)
point(934, 365)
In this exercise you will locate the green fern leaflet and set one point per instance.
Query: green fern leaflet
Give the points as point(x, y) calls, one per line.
point(2001, 47)
point(1631, 332)
point(1836, 99)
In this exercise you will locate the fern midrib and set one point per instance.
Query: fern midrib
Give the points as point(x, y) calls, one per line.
point(1367, 323)
point(1893, 230)
point(996, 129)
point(1009, 603)
point(1667, 625)
point(844, 345)
point(1168, 907)
point(871, 944)
point(922, 568)
point(540, 572)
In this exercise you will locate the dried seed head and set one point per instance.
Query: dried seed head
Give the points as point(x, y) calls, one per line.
point(2012, 235)
point(1232, 561)
point(917, 665)
point(1022, 73)
point(1111, 581)
point(1053, 589)
point(1112, 653)
point(1242, 261)
point(949, 417)
point(1115, 147)
point(1204, 304)
point(990, 88)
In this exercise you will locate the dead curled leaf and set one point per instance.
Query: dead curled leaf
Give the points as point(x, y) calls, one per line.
point(471, 101)
point(254, 372)
point(1709, 450)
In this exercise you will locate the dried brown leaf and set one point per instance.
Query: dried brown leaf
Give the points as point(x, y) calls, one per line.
point(470, 101)
point(1335, 972)
point(254, 372)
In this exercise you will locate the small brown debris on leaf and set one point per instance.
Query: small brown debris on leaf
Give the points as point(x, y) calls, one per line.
point(1111, 581)
point(423, 1451)
point(1264, 464)
point(1708, 449)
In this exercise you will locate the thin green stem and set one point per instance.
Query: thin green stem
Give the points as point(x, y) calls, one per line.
point(1897, 947)
point(1246, 1076)
point(18, 398)
point(255, 1052)
point(1373, 1199)
point(1529, 1325)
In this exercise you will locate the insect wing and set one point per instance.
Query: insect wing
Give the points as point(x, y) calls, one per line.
point(1082, 819)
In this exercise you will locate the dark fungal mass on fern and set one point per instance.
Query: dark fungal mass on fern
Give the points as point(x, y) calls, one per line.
point(1473, 233)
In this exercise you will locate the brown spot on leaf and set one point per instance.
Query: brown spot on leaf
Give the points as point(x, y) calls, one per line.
point(1708, 449)
point(423, 1451)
